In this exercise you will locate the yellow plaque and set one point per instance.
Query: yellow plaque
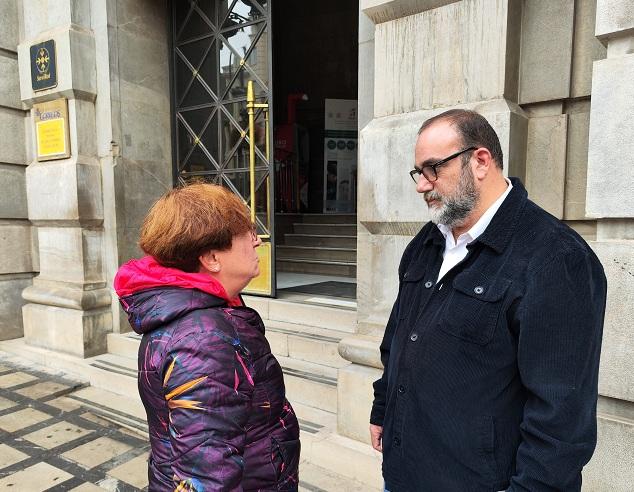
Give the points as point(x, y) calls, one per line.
point(51, 130)
point(262, 283)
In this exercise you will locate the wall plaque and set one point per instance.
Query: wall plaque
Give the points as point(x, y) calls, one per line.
point(51, 130)
point(43, 65)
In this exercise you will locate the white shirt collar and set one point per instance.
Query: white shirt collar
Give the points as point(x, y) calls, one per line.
point(480, 226)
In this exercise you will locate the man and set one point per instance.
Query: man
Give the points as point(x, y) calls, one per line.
point(491, 352)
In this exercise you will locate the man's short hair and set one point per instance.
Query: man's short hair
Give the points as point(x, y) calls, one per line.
point(474, 130)
point(189, 221)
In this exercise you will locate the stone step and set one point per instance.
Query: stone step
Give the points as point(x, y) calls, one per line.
point(317, 253)
point(308, 343)
point(330, 229)
point(344, 456)
point(314, 478)
point(124, 344)
point(304, 313)
point(329, 218)
point(314, 240)
point(322, 267)
point(311, 384)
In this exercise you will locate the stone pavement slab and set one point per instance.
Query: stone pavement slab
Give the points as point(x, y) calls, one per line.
point(50, 441)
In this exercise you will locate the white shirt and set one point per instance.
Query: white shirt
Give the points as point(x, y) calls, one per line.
point(456, 250)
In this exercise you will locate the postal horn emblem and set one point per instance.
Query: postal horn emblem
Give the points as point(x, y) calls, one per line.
point(42, 60)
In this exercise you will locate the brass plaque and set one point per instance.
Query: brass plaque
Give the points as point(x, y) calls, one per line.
point(52, 135)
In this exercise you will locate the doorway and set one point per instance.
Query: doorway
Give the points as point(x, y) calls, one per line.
point(253, 83)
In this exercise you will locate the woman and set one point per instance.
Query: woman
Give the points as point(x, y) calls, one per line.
point(213, 392)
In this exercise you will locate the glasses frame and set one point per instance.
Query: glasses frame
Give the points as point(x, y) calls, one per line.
point(430, 171)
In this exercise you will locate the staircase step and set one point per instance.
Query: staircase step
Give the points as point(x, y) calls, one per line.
point(334, 318)
point(313, 240)
point(311, 344)
point(331, 229)
point(329, 218)
point(316, 252)
point(323, 267)
point(344, 456)
point(313, 478)
point(124, 344)
point(312, 384)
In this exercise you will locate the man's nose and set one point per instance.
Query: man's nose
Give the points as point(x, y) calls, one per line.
point(423, 185)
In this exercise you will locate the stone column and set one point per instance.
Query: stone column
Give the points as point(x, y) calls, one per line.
point(610, 199)
point(429, 56)
point(69, 306)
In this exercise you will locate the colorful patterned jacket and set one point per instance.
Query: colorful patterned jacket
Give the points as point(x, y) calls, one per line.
point(213, 392)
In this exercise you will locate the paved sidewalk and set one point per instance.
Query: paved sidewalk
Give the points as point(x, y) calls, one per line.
point(50, 441)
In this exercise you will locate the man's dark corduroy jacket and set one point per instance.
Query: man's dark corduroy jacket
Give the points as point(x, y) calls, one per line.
point(490, 379)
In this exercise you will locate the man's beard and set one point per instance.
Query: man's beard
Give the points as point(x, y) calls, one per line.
point(455, 209)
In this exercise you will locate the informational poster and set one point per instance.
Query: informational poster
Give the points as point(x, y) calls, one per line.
point(51, 130)
point(340, 156)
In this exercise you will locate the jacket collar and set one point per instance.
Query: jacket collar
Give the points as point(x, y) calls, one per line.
point(499, 231)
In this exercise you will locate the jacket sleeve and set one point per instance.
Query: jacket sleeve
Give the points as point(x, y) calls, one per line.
point(208, 386)
point(560, 321)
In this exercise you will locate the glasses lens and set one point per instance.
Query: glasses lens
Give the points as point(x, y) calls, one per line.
point(430, 173)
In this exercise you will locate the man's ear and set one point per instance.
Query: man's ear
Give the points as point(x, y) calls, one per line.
point(210, 262)
point(484, 163)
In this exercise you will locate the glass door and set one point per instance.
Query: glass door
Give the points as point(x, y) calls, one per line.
point(221, 92)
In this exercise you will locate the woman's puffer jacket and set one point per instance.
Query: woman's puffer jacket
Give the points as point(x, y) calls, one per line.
point(214, 394)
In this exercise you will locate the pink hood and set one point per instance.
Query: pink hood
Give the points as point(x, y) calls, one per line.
point(147, 273)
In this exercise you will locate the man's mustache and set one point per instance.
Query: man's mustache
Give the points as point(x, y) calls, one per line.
point(432, 195)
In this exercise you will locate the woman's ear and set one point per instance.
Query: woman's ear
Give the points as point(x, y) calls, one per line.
point(209, 262)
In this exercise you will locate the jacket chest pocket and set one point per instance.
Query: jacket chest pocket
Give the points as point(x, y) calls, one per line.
point(473, 307)
point(414, 286)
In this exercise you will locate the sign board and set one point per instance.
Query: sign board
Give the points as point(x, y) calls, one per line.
point(43, 65)
point(51, 130)
point(340, 156)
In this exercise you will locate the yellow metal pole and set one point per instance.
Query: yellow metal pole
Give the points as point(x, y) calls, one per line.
point(268, 178)
point(251, 112)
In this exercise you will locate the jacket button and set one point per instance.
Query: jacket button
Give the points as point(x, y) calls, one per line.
point(428, 284)
point(397, 441)
point(413, 337)
point(406, 275)
point(478, 290)
point(401, 388)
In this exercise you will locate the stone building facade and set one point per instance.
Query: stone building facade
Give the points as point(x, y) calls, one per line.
point(553, 77)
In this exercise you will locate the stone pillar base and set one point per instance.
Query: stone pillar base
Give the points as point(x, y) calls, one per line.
point(75, 332)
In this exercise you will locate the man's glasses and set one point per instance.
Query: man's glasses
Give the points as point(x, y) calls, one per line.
point(431, 170)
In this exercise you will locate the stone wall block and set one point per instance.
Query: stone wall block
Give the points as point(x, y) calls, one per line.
point(83, 132)
point(610, 468)
point(576, 165)
point(12, 150)
point(11, 302)
point(9, 25)
point(377, 285)
point(546, 162)
point(545, 71)
point(616, 376)
point(76, 73)
point(13, 193)
point(386, 10)
point(16, 244)
point(9, 82)
point(70, 254)
point(81, 201)
point(614, 18)
point(146, 133)
point(75, 332)
point(435, 58)
point(586, 48)
point(611, 144)
point(141, 18)
point(355, 396)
